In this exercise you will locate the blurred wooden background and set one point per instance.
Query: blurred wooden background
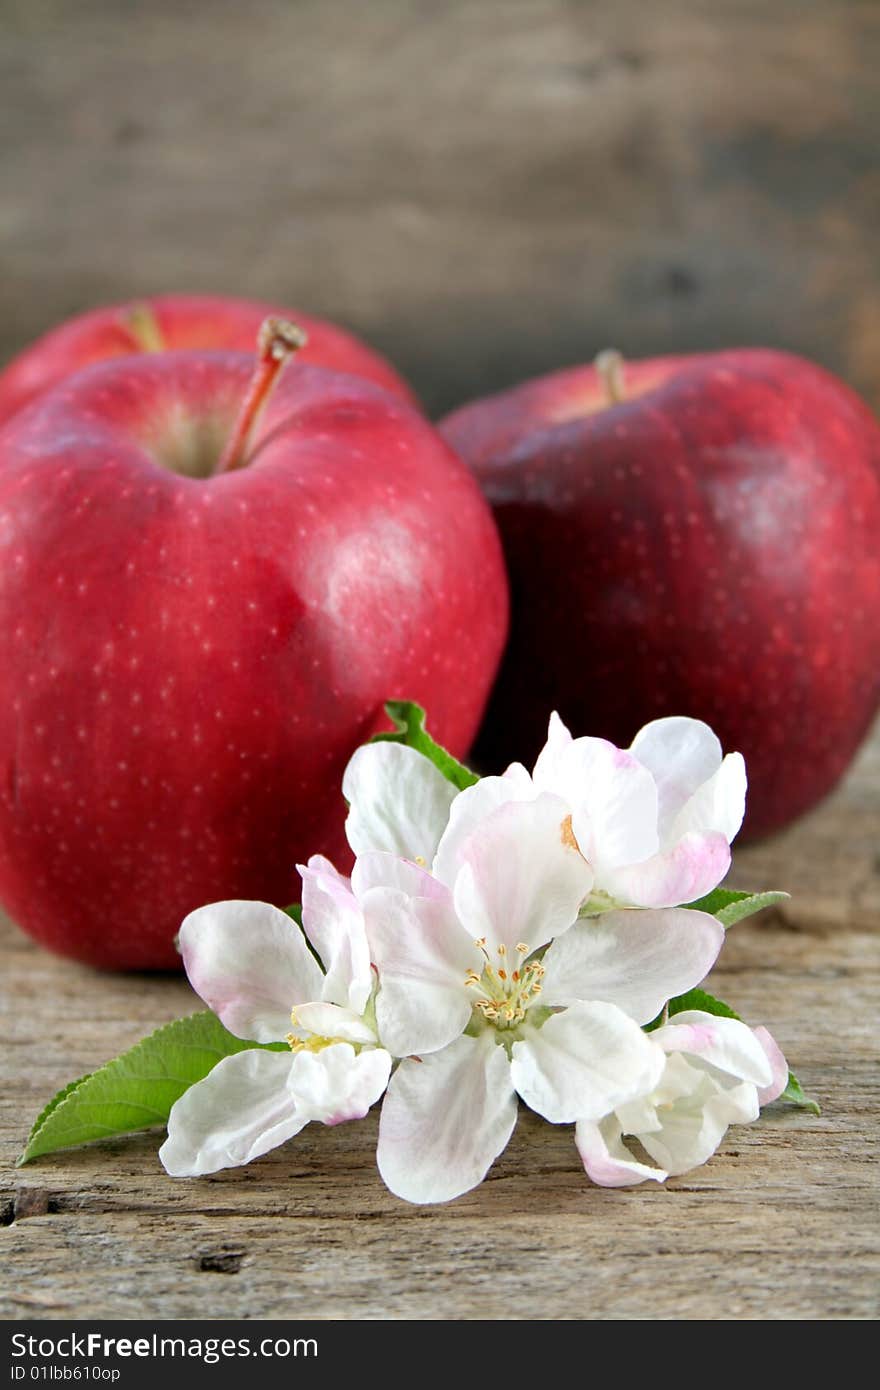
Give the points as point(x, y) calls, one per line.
point(487, 189)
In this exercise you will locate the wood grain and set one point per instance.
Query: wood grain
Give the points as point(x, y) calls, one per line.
point(781, 1224)
point(486, 190)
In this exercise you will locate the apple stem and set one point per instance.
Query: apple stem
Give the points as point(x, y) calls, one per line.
point(609, 365)
point(141, 323)
point(277, 341)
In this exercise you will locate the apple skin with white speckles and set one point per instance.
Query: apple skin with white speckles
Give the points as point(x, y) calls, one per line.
point(180, 322)
point(187, 661)
point(710, 546)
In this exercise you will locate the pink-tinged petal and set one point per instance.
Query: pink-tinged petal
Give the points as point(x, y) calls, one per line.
point(445, 1120)
point(242, 1109)
point(423, 958)
point(334, 923)
point(522, 879)
point(718, 805)
point(612, 798)
point(692, 1127)
point(723, 1043)
point(638, 960)
point(387, 871)
point(778, 1067)
point(606, 1158)
point(331, 1021)
point(338, 1084)
point(398, 802)
point(681, 754)
point(320, 864)
point(471, 808)
point(583, 1063)
point(692, 869)
point(250, 963)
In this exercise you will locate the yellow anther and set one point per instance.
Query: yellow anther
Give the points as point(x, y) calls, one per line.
point(505, 996)
point(568, 835)
point(315, 1042)
point(420, 860)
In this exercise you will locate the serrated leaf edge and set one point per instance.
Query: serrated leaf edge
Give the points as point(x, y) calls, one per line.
point(68, 1092)
point(748, 906)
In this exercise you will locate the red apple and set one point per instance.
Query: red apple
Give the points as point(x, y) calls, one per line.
point(688, 535)
point(173, 322)
point(189, 656)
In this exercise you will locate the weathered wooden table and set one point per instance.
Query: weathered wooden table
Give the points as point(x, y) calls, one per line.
point(781, 1224)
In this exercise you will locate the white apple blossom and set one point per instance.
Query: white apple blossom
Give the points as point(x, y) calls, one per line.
point(716, 1072)
point(251, 965)
point(481, 1013)
point(653, 822)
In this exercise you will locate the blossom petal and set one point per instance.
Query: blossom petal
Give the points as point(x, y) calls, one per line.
point(723, 1043)
point(250, 963)
point(638, 960)
point(241, 1109)
point(334, 923)
point(319, 863)
point(445, 1120)
point(398, 801)
point(692, 1128)
point(389, 871)
point(719, 804)
point(470, 808)
point(521, 878)
point(331, 1021)
point(337, 1083)
point(423, 958)
point(681, 754)
point(606, 1158)
point(582, 1063)
point(690, 870)
point(558, 733)
point(778, 1067)
point(612, 798)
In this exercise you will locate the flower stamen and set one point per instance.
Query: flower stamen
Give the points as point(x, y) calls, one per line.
point(313, 1042)
point(504, 999)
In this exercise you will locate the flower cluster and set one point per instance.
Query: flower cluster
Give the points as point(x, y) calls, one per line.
point(516, 940)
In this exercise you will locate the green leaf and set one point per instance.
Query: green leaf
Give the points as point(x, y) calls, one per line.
point(409, 719)
point(699, 999)
point(53, 1105)
point(295, 911)
point(138, 1089)
point(730, 907)
point(694, 999)
point(794, 1094)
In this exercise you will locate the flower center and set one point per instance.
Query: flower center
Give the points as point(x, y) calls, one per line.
point(504, 994)
point(313, 1042)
